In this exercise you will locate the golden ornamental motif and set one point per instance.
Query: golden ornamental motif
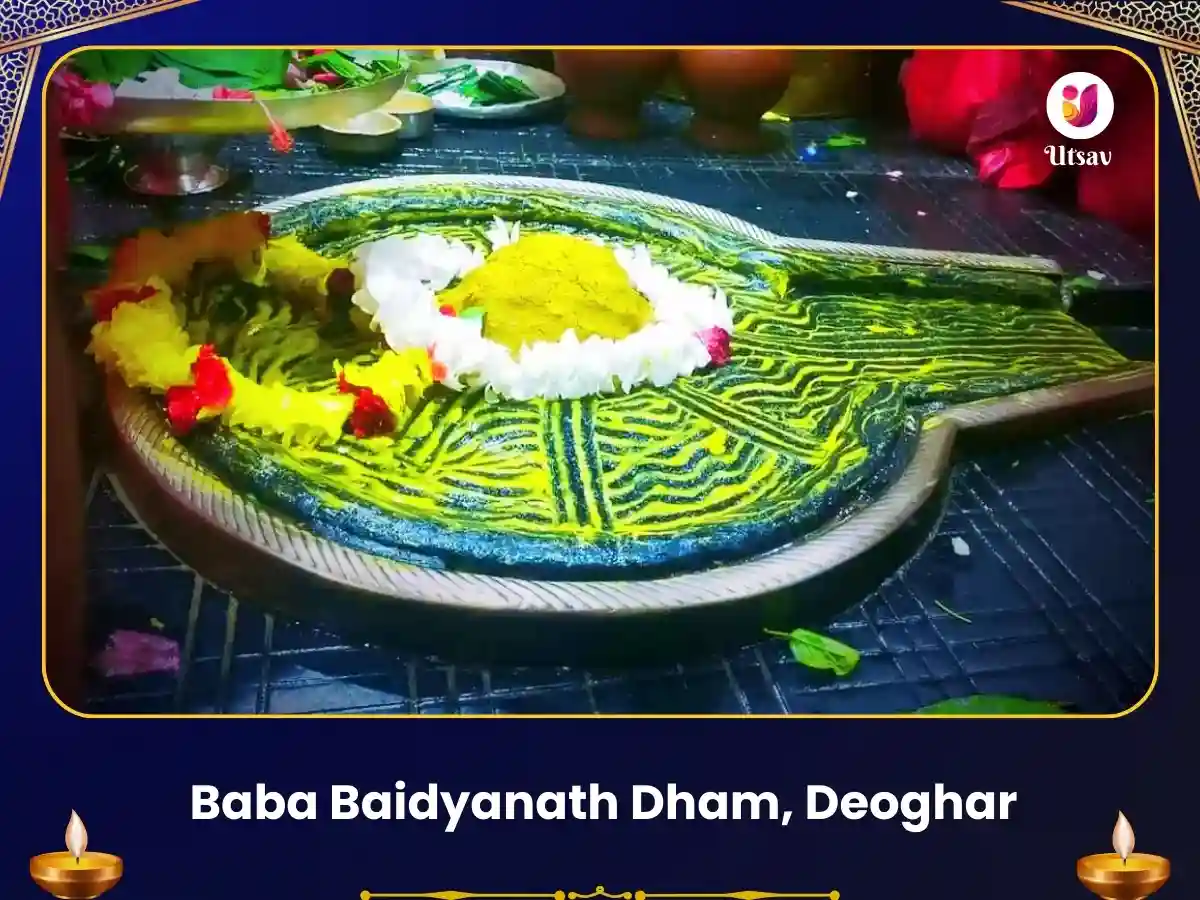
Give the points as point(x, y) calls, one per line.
point(1171, 24)
point(600, 893)
point(1183, 80)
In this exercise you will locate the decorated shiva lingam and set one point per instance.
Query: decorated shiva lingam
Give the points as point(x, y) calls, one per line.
point(172, 111)
point(1123, 875)
point(77, 873)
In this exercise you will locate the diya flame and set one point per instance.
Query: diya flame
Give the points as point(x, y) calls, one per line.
point(76, 836)
point(1123, 837)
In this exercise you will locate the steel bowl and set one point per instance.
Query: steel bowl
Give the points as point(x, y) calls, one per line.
point(372, 133)
point(414, 112)
point(174, 165)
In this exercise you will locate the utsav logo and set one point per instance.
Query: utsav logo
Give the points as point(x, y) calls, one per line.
point(1079, 106)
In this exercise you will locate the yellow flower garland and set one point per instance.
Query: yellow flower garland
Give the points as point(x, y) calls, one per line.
point(141, 335)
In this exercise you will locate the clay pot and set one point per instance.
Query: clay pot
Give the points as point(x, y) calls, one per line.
point(729, 91)
point(608, 88)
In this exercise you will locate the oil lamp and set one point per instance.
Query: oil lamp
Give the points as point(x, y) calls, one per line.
point(1123, 875)
point(76, 874)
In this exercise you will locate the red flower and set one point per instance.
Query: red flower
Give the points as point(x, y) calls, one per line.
point(447, 310)
point(220, 92)
point(990, 104)
point(210, 391)
point(211, 379)
point(1123, 191)
point(340, 283)
point(106, 300)
point(264, 224)
point(716, 341)
point(370, 416)
point(80, 102)
point(183, 409)
point(280, 139)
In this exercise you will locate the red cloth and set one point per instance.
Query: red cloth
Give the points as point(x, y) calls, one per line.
point(988, 104)
point(1123, 191)
point(991, 106)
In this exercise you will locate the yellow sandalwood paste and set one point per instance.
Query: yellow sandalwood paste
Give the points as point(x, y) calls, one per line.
point(544, 284)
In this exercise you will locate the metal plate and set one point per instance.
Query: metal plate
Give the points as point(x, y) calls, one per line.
point(132, 115)
point(259, 553)
point(548, 86)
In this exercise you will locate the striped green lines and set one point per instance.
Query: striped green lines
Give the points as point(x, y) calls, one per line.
point(826, 380)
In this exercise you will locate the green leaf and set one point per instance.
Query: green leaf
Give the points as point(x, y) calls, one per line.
point(1083, 283)
point(339, 64)
point(819, 652)
point(91, 254)
point(991, 705)
point(845, 140)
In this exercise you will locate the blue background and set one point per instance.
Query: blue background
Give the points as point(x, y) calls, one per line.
point(130, 779)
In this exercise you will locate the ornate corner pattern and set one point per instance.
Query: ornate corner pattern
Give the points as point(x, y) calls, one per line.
point(1173, 26)
point(600, 894)
point(16, 79)
point(24, 23)
point(1169, 24)
point(1183, 81)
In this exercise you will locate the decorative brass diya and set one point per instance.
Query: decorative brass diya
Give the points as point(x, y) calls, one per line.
point(1111, 878)
point(1123, 875)
point(76, 873)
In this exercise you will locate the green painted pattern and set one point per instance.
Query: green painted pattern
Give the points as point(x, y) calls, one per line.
point(834, 364)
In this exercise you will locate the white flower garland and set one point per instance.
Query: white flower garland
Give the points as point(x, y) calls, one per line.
point(399, 278)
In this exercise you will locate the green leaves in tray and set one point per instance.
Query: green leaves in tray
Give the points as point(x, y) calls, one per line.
point(481, 87)
point(991, 705)
point(353, 72)
point(819, 652)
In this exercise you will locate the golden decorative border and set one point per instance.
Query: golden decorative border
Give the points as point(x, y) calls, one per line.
point(1169, 24)
point(24, 23)
point(1173, 26)
point(27, 24)
point(600, 894)
point(16, 79)
point(1183, 81)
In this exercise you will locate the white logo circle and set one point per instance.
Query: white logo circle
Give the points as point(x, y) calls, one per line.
point(1079, 106)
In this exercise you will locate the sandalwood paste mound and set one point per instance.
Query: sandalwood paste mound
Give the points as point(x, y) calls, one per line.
point(538, 287)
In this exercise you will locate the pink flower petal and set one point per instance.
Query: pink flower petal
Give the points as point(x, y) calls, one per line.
point(135, 653)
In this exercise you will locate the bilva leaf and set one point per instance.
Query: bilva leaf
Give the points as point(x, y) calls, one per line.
point(816, 651)
point(991, 705)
